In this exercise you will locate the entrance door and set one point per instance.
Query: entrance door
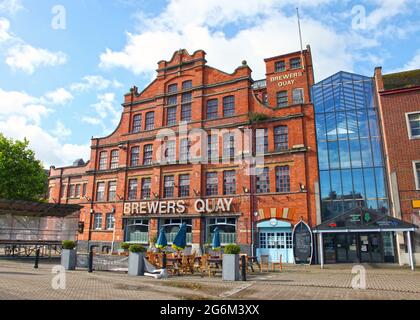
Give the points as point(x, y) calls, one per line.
point(346, 244)
point(371, 248)
point(275, 239)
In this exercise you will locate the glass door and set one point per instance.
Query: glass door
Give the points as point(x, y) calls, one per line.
point(364, 248)
point(341, 244)
point(375, 247)
point(352, 253)
point(371, 248)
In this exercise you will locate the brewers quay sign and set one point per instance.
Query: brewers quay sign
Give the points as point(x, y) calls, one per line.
point(286, 79)
point(177, 207)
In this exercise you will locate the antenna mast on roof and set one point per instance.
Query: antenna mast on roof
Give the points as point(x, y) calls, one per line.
point(300, 38)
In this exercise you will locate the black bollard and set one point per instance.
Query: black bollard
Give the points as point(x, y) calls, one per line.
point(243, 258)
point(90, 262)
point(164, 261)
point(36, 258)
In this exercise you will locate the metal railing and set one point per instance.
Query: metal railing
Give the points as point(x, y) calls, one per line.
point(225, 237)
point(137, 236)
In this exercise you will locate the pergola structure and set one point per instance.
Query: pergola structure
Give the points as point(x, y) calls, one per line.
point(362, 220)
point(27, 225)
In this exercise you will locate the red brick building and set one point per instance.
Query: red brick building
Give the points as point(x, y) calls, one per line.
point(399, 109)
point(151, 172)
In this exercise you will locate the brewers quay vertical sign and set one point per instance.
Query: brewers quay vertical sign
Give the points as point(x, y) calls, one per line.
point(177, 207)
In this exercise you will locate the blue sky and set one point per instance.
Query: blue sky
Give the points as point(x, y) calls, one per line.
point(62, 80)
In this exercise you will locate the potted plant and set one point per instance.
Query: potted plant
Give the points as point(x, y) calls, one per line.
point(124, 248)
point(136, 260)
point(68, 255)
point(230, 266)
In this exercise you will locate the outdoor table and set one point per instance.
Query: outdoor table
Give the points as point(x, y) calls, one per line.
point(216, 261)
point(175, 262)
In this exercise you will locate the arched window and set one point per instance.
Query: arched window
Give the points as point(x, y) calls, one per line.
point(114, 159)
point(137, 231)
point(227, 229)
point(150, 120)
point(137, 123)
point(172, 227)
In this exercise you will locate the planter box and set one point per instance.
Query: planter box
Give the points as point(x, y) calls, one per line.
point(69, 259)
point(136, 264)
point(230, 267)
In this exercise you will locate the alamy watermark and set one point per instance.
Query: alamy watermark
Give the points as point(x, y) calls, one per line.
point(358, 282)
point(58, 21)
point(58, 281)
point(240, 146)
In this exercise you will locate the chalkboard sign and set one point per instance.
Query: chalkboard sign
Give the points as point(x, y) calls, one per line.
point(302, 243)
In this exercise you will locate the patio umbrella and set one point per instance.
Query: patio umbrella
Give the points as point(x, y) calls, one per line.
point(180, 241)
point(215, 244)
point(162, 243)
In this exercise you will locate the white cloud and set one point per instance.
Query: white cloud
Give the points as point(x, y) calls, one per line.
point(94, 82)
point(22, 104)
point(10, 6)
point(92, 120)
point(4, 30)
point(60, 130)
point(104, 111)
point(28, 58)
point(194, 25)
point(105, 108)
point(59, 96)
point(47, 147)
point(414, 63)
point(386, 10)
point(266, 28)
point(21, 116)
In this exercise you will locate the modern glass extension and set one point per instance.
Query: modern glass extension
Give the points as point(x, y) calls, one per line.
point(350, 158)
point(351, 164)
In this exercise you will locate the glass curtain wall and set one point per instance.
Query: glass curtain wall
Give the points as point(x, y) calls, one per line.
point(350, 156)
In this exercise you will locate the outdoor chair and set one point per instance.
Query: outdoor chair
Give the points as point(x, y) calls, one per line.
point(264, 262)
point(277, 263)
point(170, 265)
point(205, 265)
point(185, 265)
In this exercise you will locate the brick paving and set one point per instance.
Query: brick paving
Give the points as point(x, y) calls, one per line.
point(19, 280)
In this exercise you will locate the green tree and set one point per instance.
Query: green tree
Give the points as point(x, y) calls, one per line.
point(22, 177)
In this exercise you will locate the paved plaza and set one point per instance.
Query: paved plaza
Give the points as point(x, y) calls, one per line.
point(19, 280)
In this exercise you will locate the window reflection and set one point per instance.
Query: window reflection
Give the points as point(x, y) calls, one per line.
point(349, 146)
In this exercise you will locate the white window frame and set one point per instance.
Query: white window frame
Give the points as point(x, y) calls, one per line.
point(302, 95)
point(407, 119)
point(416, 180)
point(95, 226)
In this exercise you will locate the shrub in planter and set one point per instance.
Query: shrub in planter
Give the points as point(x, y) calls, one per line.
point(68, 255)
point(136, 260)
point(136, 248)
point(68, 244)
point(125, 245)
point(232, 249)
point(230, 267)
